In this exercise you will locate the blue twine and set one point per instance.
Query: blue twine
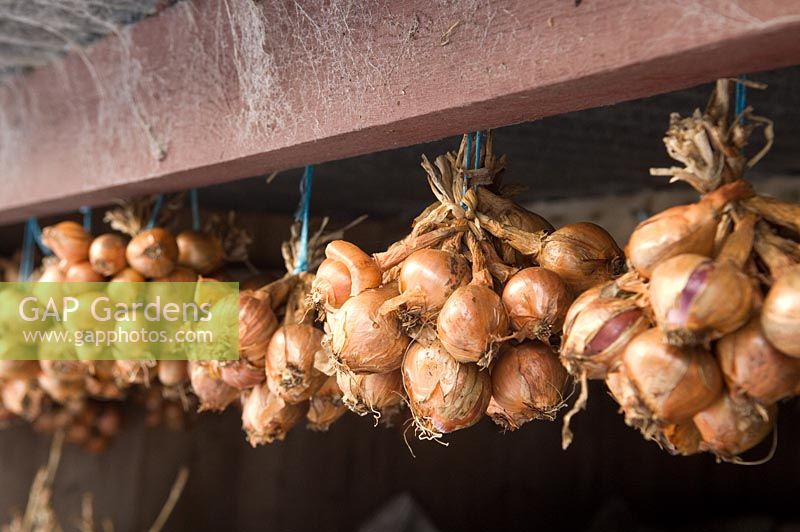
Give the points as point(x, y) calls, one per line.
point(740, 98)
point(467, 161)
point(36, 232)
point(156, 209)
point(302, 216)
point(87, 218)
point(26, 260)
point(195, 209)
point(477, 149)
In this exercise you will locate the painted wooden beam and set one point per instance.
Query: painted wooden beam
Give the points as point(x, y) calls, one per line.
point(215, 90)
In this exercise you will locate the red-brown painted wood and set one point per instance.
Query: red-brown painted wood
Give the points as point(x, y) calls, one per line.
point(228, 89)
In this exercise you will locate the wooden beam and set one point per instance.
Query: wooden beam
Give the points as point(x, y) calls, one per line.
point(215, 90)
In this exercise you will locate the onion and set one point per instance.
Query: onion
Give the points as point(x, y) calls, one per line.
point(241, 374)
point(537, 301)
point(202, 252)
point(290, 362)
point(153, 252)
point(214, 394)
point(732, 425)
point(427, 278)
point(443, 394)
point(672, 383)
point(597, 329)
point(325, 406)
point(582, 254)
point(696, 299)
point(120, 291)
point(180, 274)
point(362, 339)
point(379, 394)
point(257, 324)
point(173, 372)
point(62, 391)
point(780, 315)
point(22, 398)
point(82, 272)
point(107, 254)
point(65, 370)
point(266, 417)
point(364, 271)
point(753, 367)
point(331, 285)
point(528, 383)
point(683, 229)
point(134, 371)
point(18, 369)
point(68, 241)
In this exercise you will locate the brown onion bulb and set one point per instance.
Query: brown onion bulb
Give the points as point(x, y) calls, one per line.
point(214, 394)
point(62, 391)
point(65, 370)
point(528, 382)
point(780, 315)
point(180, 274)
point(753, 367)
point(444, 395)
point(266, 417)
point(325, 406)
point(173, 372)
point(22, 398)
point(672, 383)
point(68, 241)
point(732, 425)
point(153, 252)
point(362, 339)
point(471, 324)
point(82, 272)
point(379, 394)
point(537, 301)
point(695, 299)
point(583, 255)
point(51, 272)
point(683, 229)
point(290, 362)
point(596, 331)
point(331, 285)
point(364, 271)
point(18, 369)
point(241, 374)
point(107, 254)
point(257, 324)
point(128, 275)
point(427, 278)
point(200, 251)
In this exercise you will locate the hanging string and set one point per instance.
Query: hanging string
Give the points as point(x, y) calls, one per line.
point(469, 163)
point(87, 218)
point(195, 209)
point(156, 209)
point(26, 260)
point(36, 232)
point(301, 216)
point(740, 98)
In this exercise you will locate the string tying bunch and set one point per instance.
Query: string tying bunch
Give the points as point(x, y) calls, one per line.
point(301, 217)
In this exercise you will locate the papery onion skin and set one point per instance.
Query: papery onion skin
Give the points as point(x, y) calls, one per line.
point(444, 395)
point(153, 252)
point(673, 383)
point(362, 339)
point(68, 240)
point(266, 417)
point(241, 374)
point(107, 254)
point(82, 272)
point(257, 324)
point(61, 391)
point(213, 393)
point(583, 254)
point(780, 315)
point(67, 370)
point(290, 360)
point(364, 271)
point(19, 369)
point(471, 323)
point(22, 397)
point(200, 251)
point(379, 394)
point(331, 285)
point(434, 274)
point(179, 274)
point(695, 299)
point(173, 372)
point(537, 301)
point(325, 406)
point(596, 331)
point(528, 382)
point(682, 229)
point(733, 425)
point(752, 366)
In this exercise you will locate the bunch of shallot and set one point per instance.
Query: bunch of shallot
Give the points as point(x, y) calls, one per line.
point(701, 340)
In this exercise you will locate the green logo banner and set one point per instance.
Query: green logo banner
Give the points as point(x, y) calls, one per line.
point(119, 321)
